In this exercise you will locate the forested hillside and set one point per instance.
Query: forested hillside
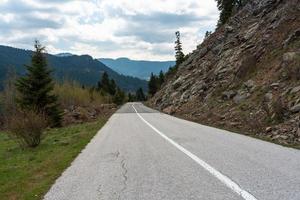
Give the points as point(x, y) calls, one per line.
point(83, 69)
point(137, 68)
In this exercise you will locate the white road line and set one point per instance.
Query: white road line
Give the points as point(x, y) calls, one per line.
point(224, 179)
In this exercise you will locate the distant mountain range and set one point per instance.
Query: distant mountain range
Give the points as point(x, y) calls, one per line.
point(137, 68)
point(83, 69)
point(64, 54)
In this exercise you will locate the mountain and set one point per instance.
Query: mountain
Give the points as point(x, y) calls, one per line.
point(84, 69)
point(137, 68)
point(244, 77)
point(64, 54)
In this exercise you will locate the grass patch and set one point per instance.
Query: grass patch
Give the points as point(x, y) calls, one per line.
point(29, 174)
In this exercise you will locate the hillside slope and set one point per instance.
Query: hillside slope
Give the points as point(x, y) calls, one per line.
point(245, 76)
point(137, 68)
point(84, 69)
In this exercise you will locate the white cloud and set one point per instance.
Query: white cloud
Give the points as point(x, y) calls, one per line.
point(104, 28)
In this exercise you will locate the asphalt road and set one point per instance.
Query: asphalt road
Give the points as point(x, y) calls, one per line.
point(143, 154)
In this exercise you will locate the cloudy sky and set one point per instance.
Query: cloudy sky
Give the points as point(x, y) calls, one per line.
point(138, 29)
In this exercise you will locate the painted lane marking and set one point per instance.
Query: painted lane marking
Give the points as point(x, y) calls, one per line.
point(224, 179)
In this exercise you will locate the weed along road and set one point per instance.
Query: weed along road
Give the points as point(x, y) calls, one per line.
point(143, 154)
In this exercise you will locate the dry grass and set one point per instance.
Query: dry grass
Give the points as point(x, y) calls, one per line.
point(72, 94)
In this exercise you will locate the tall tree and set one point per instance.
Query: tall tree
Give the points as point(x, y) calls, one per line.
point(35, 88)
point(112, 87)
point(119, 97)
point(140, 96)
point(152, 85)
point(104, 83)
point(227, 8)
point(131, 97)
point(161, 78)
point(178, 49)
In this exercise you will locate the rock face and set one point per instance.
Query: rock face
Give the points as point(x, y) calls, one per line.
point(248, 72)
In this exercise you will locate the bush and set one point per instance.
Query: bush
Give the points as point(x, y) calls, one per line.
point(72, 94)
point(27, 128)
point(291, 66)
point(278, 109)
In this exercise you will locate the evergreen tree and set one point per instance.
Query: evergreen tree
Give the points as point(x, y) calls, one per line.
point(207, 34)
point(178, 49)
point(107, 85)
point(161, 78)
point(152, 85)
point(131, 97)
point(104, 83)
point(227, 8)
point(119, 97)
point(112, 87)
point(140, 96)
point(35, 88)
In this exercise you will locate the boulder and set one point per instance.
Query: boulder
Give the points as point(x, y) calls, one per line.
point(268, 96)
point(249, 84)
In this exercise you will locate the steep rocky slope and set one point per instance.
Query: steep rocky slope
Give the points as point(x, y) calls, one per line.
point(246, 76)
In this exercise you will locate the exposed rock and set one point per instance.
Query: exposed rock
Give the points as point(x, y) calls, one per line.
point(229, 29)
point(268, 96)
point(228, 94)
point(293, 37)
point(169, 110)
point(290, 56)
point(295, 90)
point(268, 129)
point(295, 108)
point(239, 98)
point(275, 85)
point(250, 84)
point(244, 61)
point(251, 31)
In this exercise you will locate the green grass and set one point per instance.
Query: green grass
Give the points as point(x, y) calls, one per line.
point(29, 174)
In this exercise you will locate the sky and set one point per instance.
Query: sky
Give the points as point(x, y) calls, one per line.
point(137, 29)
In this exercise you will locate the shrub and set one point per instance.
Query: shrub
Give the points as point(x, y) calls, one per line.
point(291, 64)
point(72, 94)
point(278, 109)
point(27, 128)
point(293, 71)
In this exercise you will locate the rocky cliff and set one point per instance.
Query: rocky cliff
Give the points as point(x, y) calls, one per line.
point(244, 77)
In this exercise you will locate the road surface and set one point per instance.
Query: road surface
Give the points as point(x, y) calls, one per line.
point(141, 154)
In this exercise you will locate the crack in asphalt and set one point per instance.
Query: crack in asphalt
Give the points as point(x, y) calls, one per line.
point(125, 177)
point(99, 192)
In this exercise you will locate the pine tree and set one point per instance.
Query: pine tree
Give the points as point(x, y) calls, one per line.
point(227, 8)
point(152, 85)
point(140, 96)
point(35, 88)
point(207, 34)
point(178, 49)
point(104, 83)
point(112, 87)
point(119, 97)
point(161, 78)
point(131, 97)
